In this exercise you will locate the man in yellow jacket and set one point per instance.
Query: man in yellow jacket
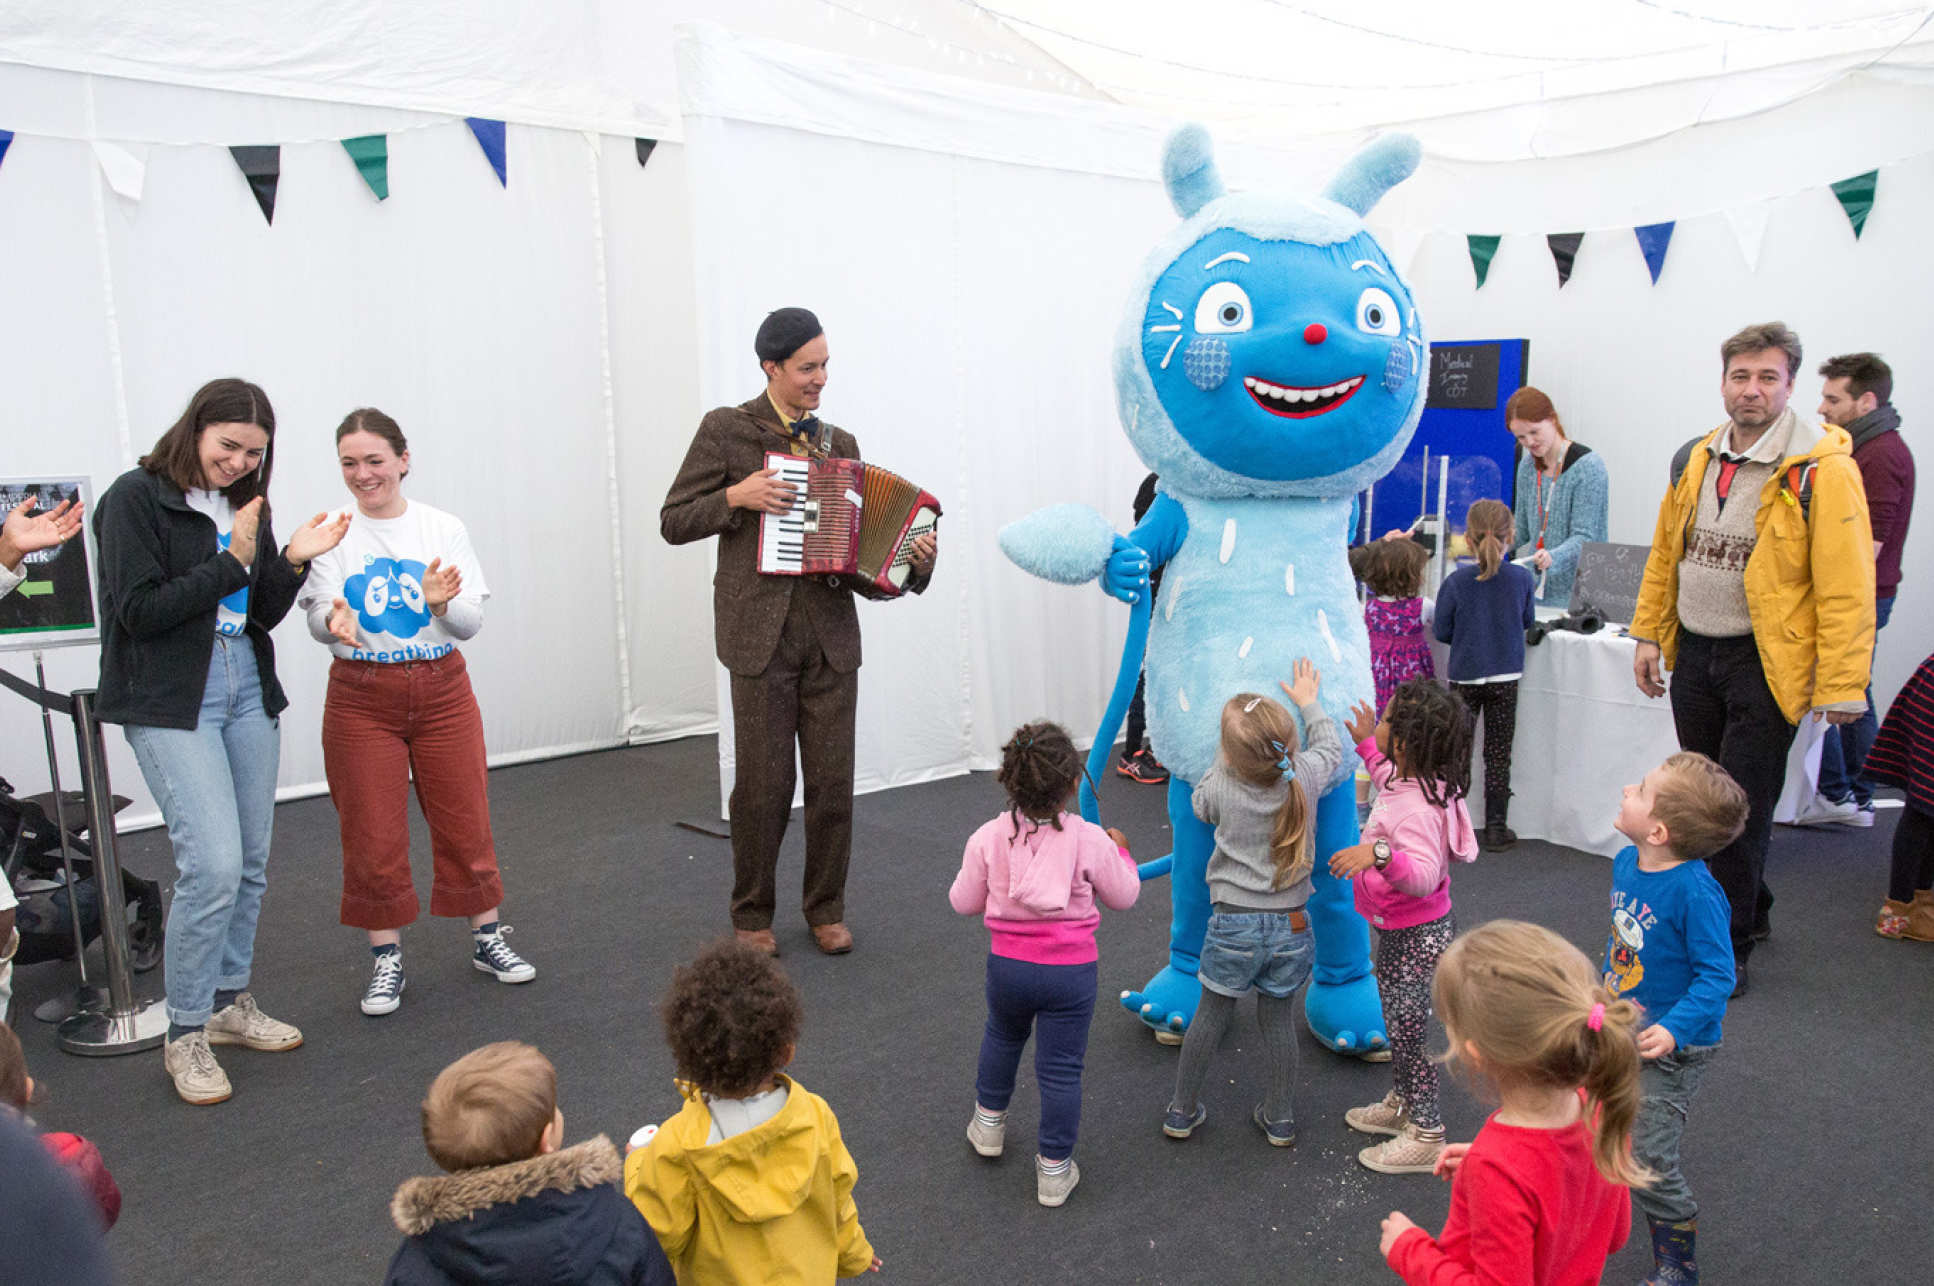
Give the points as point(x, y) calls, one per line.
point(1759, 597)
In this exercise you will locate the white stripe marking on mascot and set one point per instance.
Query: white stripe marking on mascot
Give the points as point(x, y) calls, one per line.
point(1323, 624)
point(1289, 579)
point(1182, 699)
point(1174, 587)
point(1228, 538)
point(1242, 652)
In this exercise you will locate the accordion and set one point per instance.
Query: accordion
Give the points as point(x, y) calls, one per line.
point(847, 519)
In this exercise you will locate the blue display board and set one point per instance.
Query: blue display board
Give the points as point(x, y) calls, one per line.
point(1470, 381)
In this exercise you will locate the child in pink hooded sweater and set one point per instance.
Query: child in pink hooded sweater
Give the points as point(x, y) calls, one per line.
point(1036, 872)
point(1419, 758)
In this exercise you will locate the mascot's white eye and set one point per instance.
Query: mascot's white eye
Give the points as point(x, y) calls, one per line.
point(1376, 313)
point(1222, 310)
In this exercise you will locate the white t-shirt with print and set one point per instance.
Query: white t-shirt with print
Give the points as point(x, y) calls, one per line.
point(378, 569)
point(232, 616)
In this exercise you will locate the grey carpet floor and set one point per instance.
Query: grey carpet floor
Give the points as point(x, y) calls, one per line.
point(1808, 1144)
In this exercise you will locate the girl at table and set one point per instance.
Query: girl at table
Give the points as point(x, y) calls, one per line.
point(1396, 613)
point(1561, 493)
point(393, 602)
point(1482, 611)
point(191, 583)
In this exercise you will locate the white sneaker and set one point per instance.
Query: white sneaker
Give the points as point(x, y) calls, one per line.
point(385, 990)
point(1821, 811)
point(191, 1065)
point(495, 957)
point(242, 1023)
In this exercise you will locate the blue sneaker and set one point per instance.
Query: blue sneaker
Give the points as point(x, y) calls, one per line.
point(1179, 1124)
point(1281, 1134)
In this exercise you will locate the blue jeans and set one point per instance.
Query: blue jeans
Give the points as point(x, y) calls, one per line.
point(1666, 1087)
point(1056, 1002)
point(216, 788)
point(1844, 747)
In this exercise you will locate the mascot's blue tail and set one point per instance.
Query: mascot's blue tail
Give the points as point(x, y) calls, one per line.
point(1130, 673)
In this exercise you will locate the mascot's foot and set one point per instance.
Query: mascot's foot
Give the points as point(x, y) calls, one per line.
point(1347, 1016)
point(1167, 1003)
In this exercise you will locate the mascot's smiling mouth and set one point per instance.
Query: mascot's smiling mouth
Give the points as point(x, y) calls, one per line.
point(1300, 403)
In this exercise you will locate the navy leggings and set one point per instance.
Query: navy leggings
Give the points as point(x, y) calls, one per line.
point(1056, 1003)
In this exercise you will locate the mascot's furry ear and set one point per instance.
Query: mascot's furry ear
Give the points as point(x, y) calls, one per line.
point(1382, 165)
point(1188, 170)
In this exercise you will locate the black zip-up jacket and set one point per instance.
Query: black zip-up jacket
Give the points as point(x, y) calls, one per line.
point(162, 576)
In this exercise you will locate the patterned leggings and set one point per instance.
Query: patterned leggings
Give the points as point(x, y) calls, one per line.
point(1406, 963)
point(1497, 705)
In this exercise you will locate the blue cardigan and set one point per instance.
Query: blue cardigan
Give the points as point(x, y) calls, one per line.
point(1575, 506)
point(1484, 620)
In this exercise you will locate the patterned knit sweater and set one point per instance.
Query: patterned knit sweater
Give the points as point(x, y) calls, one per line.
point(1574, 512)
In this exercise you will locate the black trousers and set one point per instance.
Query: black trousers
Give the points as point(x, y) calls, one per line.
point(798, 697)
point(1913, 855)
point(1723, 709)
point(1496, 704)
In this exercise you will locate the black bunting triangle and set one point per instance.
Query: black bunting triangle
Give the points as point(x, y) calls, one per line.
point(261, 166)
point(644, 148)
point(1564, 251)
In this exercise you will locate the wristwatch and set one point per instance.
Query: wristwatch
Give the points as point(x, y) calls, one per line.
point(1381, 852)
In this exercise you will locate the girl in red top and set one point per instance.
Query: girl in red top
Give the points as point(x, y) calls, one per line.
point(1540, 1196)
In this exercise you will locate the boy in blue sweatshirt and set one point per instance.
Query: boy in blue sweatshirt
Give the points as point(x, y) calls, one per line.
point(1671, 951)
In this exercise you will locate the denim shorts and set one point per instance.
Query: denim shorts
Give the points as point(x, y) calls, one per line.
point(1255, 950)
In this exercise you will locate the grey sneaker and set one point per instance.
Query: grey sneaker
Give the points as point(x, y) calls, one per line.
point(243, 1024)
point(1408, 1153)
point(495, 957)
point(198, 1078)
point(1053, 1189)
point(385, 990)
point(988, 1140)
point(1386, 1117)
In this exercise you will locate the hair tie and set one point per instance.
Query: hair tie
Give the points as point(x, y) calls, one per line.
point(1596, 1020)
point(1282, 764)
point(1023, 741)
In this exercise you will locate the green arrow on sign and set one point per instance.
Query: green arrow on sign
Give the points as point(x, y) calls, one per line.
point(36, 588)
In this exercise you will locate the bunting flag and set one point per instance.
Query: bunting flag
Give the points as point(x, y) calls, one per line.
point(6, 141)
point(371, 154)
point(490, 137)
point(1564, 252)
point(1653, 239)
point(644, 149)
point(262, 167)
point(1749, 226)
point(125, 171)
point(1482, 249)
point(1857, 198)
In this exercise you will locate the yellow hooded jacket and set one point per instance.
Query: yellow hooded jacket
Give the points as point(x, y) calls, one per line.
point(772, 1205)
point(1809, 579)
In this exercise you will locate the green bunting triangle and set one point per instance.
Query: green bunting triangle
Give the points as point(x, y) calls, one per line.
point(1857, 198)
point(1482, 248)
point(371, 154)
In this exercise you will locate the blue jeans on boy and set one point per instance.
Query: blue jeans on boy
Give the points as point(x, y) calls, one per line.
point(1666, 1087)
point(1056, 1002)
point(216, 788)
point(1844, 747)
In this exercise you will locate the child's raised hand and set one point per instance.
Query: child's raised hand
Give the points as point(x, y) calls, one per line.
point(1353, 860)
point(1449, 1159)
point(1395, 1225)
point(1308, 684)
point(1363, 723)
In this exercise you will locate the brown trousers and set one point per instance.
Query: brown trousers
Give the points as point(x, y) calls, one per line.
point(798, 696)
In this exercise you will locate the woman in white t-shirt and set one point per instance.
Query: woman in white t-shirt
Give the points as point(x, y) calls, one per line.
point(393, 601)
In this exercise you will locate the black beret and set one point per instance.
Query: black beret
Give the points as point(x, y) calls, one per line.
point(784, 332)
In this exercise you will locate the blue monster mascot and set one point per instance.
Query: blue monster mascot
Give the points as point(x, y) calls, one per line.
point(1270, 366)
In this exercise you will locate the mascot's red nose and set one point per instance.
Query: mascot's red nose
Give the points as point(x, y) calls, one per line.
point(1314, 333)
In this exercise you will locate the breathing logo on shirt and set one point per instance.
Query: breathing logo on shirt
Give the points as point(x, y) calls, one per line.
point(388, 597)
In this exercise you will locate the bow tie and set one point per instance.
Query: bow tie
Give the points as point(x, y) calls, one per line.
point(805, 428)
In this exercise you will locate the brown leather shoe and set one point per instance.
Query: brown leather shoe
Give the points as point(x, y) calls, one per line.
point(760, 940)
point(833, 939)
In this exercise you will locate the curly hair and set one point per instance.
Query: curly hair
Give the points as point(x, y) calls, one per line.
point(731, 1019)
point(1039, 770)
point(1391, 568)
point(1430, 738)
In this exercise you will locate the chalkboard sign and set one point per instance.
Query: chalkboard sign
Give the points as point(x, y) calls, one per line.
point(1608, 580)
point(1463, 377)
point(54, 605)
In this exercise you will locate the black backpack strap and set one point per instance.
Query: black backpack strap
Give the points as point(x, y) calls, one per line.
point(1799, 485)
point(1682, 457)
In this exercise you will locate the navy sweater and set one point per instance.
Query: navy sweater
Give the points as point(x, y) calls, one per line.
point(1484, 620)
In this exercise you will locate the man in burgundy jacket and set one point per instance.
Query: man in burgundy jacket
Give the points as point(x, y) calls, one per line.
point(792, 643)
point(1857, 397)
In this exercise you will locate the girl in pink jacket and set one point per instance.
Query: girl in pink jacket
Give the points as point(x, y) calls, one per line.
point(1036, 872)
point(1419, 758)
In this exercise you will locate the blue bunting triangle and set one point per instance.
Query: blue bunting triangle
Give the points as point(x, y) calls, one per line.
point(1653, 239)
point(6, 141)
point(490, 137)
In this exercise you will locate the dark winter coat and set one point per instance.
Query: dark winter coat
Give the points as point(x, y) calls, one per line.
point(556, 1219)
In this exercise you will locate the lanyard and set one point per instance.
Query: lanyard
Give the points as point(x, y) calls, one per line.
point(1538, 488)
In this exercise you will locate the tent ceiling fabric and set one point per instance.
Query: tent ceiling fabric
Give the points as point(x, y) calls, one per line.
point(1499, 80)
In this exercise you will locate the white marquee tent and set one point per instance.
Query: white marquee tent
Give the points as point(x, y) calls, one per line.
point(962, 192)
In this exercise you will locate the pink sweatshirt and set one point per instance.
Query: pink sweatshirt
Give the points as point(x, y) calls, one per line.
point(1415, 887)
point(1038, 890)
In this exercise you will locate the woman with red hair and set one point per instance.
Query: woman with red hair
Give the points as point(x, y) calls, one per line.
point(1561, 497)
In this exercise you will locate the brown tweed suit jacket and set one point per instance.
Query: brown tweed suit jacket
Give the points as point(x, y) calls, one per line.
point(748, 610)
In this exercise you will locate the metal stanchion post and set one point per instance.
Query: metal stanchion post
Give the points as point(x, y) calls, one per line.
point(126, 1025)
point(87, 996)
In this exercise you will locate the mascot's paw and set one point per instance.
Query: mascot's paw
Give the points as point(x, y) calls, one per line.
point(1066, 544)
point(1346, 1016)
point(1126, 576)
point(1167, 1002)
